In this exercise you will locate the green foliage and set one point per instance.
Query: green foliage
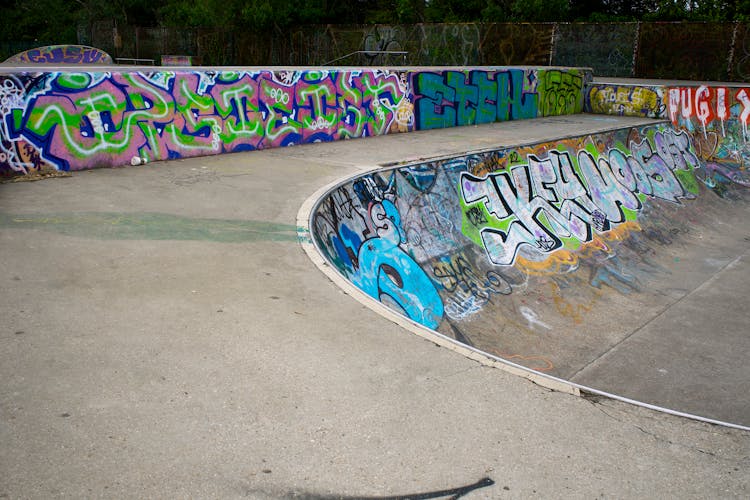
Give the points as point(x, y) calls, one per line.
point(179, 13)
point(540, 10)
point(283, 14)
point(496, 11)
point(742, 10)
point(669, 10)
point(409, 11)
point(452, 11)
point(384, 11)
point(704, 10)
point(263, 14)
point(47, 21)
point(56, 21)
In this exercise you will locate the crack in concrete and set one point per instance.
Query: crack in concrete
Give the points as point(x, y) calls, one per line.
point(661, 313)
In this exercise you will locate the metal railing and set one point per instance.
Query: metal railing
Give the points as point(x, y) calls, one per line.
point(372, 54)
point(133, 60)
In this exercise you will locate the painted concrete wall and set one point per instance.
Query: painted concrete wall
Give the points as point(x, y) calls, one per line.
point(716, 117)
point(61, 54)
point(441, 241)
point(80, 120)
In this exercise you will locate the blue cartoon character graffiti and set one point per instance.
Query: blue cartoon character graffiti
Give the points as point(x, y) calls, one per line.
point(387, 273)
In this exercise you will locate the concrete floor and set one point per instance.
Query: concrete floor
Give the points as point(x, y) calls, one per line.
point(164, 335)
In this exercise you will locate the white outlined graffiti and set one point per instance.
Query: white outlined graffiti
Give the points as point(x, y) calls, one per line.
point(546, 200)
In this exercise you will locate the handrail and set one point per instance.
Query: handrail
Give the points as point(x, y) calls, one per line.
point(121, 60)
point(368, 52)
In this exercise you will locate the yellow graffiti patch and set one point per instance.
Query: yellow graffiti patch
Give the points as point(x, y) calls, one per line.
point(563, 261)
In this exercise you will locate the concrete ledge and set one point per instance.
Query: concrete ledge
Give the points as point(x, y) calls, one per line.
point(60, 119)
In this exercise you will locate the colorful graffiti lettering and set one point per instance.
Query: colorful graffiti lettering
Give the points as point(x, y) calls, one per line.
point(389, 274)
point(531, 201)
point(571, 195)
point(717, 118)
point(498, 249)
point(560, 92)
point(625, 100)
point(708, 104)
point(456, 98)
point(363, 234)
point(72, 121)
point(61, 54)
point(85, 120)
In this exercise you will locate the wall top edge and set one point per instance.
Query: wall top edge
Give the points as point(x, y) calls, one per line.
point(125, 68)
point(652, 82)
point(627, 124)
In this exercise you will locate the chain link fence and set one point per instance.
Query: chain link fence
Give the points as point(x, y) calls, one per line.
point(680, 50)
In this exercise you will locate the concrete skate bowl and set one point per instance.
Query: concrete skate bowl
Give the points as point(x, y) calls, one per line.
point(611, 264)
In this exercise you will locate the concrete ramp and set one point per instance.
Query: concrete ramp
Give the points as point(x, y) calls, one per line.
point(602, 257)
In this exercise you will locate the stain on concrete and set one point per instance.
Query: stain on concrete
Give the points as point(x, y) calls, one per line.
point(151, 226)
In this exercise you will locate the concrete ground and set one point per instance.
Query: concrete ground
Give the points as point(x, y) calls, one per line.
point(164, 335)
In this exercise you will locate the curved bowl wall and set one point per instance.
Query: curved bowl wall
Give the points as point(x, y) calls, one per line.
point(549, 255)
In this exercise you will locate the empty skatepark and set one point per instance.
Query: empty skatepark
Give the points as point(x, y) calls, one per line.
point(168, 332)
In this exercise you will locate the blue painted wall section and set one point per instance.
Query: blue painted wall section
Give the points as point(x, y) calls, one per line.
point(456, 98)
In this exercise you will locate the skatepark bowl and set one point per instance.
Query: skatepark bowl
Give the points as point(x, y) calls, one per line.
point(593, 263)
point(610, 261)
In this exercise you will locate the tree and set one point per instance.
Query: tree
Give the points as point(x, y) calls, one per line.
point(497, 11)
point(206, 13)
point(45, 21)
point(452, 11)
point(410, 11)
point(540, 10)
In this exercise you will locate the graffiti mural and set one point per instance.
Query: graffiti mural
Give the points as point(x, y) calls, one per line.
point(467, 98)
point(455, 98)
point(496, 248)
point(61, 54)
point(625, 100)
point(560, 92)
point(543, 204)
point(75, 121)
point(717, 118)
point(72, 121)
point(365, 237)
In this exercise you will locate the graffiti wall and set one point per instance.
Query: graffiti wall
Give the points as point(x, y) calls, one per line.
point(176, 60)
point(61, 54)
point(479, 245)
point(80, 120)
point(625, 100)
point(454, 98)
point(716, 117)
